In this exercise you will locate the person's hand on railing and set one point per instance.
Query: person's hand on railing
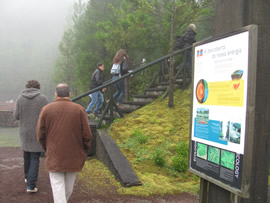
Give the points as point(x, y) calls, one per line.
point(104, 89)
point(130, 71)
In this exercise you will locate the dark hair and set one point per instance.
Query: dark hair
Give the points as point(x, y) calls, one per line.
point(32, 84)
point(99, 64)
point(62, 90)
point(119, 56)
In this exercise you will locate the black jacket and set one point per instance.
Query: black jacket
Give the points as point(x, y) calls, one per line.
point(124, 67)
point(189, 37)
point(96, 79)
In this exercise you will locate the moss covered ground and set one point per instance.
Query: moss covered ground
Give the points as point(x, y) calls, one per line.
point(151, 139)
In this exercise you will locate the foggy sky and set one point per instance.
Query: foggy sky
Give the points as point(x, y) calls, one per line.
point(21, 16)
point(30, 31)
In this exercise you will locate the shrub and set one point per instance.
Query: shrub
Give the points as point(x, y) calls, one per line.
point(179, 163)
point(180, 160)
point(158, 157)
point(182, 149)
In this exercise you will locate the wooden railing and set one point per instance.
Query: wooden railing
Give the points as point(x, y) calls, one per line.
point(109, 84)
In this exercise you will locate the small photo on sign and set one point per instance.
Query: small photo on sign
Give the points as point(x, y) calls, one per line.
point(224, 130)
point(227, 159)
point(214, 155)
point(202, 151)
point(235, 132)
point(202, 115)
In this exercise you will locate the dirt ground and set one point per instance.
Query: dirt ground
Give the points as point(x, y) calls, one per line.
point(13, 188)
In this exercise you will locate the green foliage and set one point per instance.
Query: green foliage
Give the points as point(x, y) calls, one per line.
point(179, 163)
point(182, 149)
point(141, 27)
point(166, 128)
point(136, 143)
point(180, 160)
point(139, 137)
point(159, 157)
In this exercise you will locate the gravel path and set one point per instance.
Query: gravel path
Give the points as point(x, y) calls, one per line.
point(12, 187)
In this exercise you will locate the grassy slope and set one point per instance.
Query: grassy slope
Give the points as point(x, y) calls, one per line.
point(165, 128)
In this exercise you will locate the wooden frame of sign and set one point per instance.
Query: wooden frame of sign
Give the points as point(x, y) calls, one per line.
point(223, 109)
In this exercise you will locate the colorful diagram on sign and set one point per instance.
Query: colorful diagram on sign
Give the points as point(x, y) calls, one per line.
point(202, 91)
point(236, 78)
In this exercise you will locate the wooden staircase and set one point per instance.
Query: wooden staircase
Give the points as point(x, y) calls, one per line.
point(150, 95)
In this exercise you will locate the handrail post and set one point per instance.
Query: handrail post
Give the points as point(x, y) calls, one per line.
point(111, 103)
point(184, 70)
point(160, 71)
point(126, 88)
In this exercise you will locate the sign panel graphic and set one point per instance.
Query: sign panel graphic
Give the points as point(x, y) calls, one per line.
point(219, 108)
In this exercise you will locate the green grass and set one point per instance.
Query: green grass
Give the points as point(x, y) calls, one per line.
point(151, 139)
point(9, 137)
point(156, 160)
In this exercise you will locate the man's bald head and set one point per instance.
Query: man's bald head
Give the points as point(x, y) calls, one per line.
point(62, 90)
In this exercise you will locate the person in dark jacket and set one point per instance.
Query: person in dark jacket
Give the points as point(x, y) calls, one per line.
point(96, 97)
point(64, 133)
point(189, 38)
point(28, 107)
point(121, 58)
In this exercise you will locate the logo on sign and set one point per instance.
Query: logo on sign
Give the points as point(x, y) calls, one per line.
point(199, 53)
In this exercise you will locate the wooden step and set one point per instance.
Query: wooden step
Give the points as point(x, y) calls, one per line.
point(155, 91)
point(144, 98)
point(178, 81)
point(134, 104)
point(166, 85)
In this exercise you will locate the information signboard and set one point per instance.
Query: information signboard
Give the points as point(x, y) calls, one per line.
point(219, 108)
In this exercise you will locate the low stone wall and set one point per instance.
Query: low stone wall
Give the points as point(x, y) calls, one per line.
point(7, 120)
point(6, 115)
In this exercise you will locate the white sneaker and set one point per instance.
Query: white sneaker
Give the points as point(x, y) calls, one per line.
point(34, 190)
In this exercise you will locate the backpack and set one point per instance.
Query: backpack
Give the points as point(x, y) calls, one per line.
point(124, 69)
point(115, 69)
point(180, 42)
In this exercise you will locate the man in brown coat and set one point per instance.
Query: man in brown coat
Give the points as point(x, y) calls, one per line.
point(65, 135)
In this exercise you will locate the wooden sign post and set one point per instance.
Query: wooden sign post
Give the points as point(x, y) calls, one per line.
point(233, 15)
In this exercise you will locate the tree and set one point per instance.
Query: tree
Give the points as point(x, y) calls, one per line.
point(65, 63)
point(141, 27)
point(171, 79)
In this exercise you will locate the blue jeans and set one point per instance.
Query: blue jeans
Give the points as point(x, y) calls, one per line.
point(31, 166)
point(97, 99)
point(120, 87)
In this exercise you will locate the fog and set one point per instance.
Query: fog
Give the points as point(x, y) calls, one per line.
point(30, 31)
